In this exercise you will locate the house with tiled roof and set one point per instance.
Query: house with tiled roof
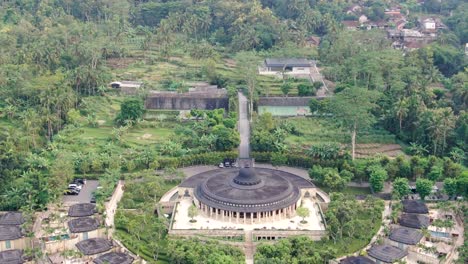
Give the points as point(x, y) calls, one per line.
point(11, 233)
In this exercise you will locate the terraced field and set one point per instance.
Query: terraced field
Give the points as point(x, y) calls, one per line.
point(369, 150)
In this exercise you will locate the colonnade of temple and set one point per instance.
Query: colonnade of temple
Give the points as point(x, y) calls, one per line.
point(247, 217)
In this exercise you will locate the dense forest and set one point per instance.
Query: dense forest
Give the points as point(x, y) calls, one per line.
point(55, 67)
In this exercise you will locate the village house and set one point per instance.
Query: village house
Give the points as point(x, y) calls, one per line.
point(280, 67)
point(81, 224)
point(351, 25)
point(13, 256)
point(11, 233)
point(387, 254)
point(404, 237)
point(357, 260)
point(313, 41)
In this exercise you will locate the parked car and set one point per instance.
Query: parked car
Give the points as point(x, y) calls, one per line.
point(93, 199)
point(221, 165)
point(75, 186)
point(79, 181)
point(71, 191)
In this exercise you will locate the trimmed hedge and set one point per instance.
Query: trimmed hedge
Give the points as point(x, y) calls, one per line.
point(295, 160)
point(209, 158)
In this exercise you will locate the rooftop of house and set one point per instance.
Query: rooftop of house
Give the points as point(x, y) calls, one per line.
point(314, 40)
point(14, 256)
point(11, 218)
point(83, 209)
point(443, 248)
point(357, 260)
point(406, 235)
point(411, 33)
point(94, 246)
point(350, 23)
point(287, 62)
point(386, 253)
point(414, 220)
point(83, 224)
point(10, 232)
point(414, 207)
point(114, 258)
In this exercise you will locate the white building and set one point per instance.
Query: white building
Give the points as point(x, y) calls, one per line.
point(429, 24)
point(286, 66)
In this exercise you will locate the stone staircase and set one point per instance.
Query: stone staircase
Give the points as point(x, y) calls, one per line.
point(249, 248)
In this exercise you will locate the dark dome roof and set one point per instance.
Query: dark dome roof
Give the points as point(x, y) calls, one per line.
point(249, 189)
point(247, 176)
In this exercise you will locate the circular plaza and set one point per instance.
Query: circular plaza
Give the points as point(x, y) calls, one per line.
point(249, 195)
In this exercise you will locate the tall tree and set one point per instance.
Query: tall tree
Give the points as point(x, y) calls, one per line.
point(352, 108)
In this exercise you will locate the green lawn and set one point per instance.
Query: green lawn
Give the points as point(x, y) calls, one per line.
point(317, 130)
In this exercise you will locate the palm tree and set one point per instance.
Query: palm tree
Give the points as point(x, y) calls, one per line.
point(401, 111)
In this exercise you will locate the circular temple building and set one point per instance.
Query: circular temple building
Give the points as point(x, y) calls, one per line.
point(247, 195)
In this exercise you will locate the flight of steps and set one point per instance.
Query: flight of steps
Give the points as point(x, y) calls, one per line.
point(249, 248)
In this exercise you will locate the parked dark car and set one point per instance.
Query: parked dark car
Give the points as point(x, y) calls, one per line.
point(79, 181)
point(93, 199)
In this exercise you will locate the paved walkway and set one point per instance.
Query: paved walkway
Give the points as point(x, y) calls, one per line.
point(111, 206)
point(244, 127)
point(85, 194)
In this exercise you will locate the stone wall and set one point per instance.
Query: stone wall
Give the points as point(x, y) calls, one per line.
point(278, 234)
point(206, 232)
point(22, 243)
point(186, 103)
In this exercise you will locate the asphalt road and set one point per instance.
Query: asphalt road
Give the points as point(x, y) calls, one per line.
point(244, 127)
point(85, 194)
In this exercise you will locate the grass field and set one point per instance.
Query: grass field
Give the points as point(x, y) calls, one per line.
point(316, 130)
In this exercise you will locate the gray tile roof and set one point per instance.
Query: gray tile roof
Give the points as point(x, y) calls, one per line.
point(94, 246)
point(83, 224)
point(83, 209)
point(357, 260)
point(10, 232)
point(114, 258)
point(414, 220)
point(12, 218)
point(386, 253)
point(293, 62)
point(406, 235)
point(14, 256)
point(414, 207)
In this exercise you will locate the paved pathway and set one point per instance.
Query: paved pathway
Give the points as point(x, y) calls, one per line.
point(111, 206)
point(244, 127)
point(85, 194)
